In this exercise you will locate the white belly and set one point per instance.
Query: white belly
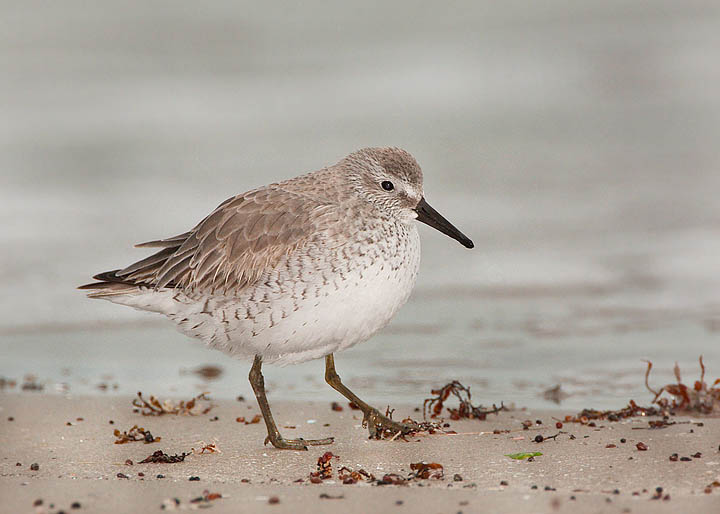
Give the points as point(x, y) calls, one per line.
point(307, 308)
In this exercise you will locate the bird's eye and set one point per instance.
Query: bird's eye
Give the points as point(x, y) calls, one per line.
point(387, 185)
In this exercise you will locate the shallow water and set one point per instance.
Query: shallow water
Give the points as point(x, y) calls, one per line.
point(576, 144)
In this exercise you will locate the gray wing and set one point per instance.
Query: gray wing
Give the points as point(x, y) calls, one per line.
point(243, 238)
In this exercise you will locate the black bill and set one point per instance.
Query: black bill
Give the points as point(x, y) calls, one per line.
point(431, 217)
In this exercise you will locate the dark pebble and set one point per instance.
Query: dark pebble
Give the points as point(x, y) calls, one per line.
point(11, 418)
point(558, 425)
point(457, 478)
point(18, 464)
point(538, 421)
point(75, 505)
point(37, 502)
point(697, 455)
point(533, 487)
point(685, 459)
point(616, 491)
point(273, 500)
point(674, 457)
point(504, 482)
point(398, 502)
point(160, 476)
point(572, 497)
point(194, 479)
point(623, 440)
point(659, 490)
point(34, 466)
point(122, 475)
point(539, 438)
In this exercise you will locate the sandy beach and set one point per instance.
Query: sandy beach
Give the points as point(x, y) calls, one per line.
point(584, 469)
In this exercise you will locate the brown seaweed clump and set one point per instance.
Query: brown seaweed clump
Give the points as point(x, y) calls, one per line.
point(465, 409)
point(136, 433)
point(160, 457)
point(153, 406)
point(701, 398)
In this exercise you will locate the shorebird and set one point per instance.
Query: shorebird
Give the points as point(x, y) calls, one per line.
point(293, 271)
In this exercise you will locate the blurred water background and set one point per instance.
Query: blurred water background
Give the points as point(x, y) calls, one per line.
point(577, 143)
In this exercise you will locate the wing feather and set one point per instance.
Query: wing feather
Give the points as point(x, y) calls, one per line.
point(232, 247)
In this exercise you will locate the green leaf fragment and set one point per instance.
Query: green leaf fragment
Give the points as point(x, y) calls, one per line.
point(523, 455)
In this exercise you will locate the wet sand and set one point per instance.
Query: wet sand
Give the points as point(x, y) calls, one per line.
point(78, 462)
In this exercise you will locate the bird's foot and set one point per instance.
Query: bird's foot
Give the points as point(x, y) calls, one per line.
point(377, 424)
point(296, 444)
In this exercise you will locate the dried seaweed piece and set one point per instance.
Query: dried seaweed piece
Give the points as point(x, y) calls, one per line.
point(160, 457)
point(324, 467)
point(153, 406)
point(586, 416)
point(206, 497)
point(136, 433)
point(425, 470)
point(700, 398)
point(348, 476)
point(465, 409)
point(7, 382)
point(30, 383)
point(392, 479)
point(712, 485)
point(206, 448)
point(256, 419)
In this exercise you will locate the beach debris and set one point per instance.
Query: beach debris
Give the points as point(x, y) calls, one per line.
point(336, 407)
point(8, 383)
point(325, 496)
point(465, 409)
point(348, 476)
point(392, 479)
point(255, 419)
point(30, 383)
point(700, 398)
point(206, 497)
point(199, 502)
point(136, 433)
point(588, 416)
point(205, 448)
point(642, 446)
point(208, 371)
point(427, 470)
point(273, 500)
point(555, 394)
point(34, 466)
point(324, 468)
point(153, 406)
point(160, 457)
point(540, 438)
point(122, 475)
point(715, 484)
point(523, 455)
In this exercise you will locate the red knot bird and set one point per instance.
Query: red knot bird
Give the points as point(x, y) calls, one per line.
point(293, 271)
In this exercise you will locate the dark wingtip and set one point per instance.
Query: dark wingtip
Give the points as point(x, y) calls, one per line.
point(103, 278)
point(467, 243)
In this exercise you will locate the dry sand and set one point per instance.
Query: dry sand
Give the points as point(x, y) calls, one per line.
point(78, 462)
